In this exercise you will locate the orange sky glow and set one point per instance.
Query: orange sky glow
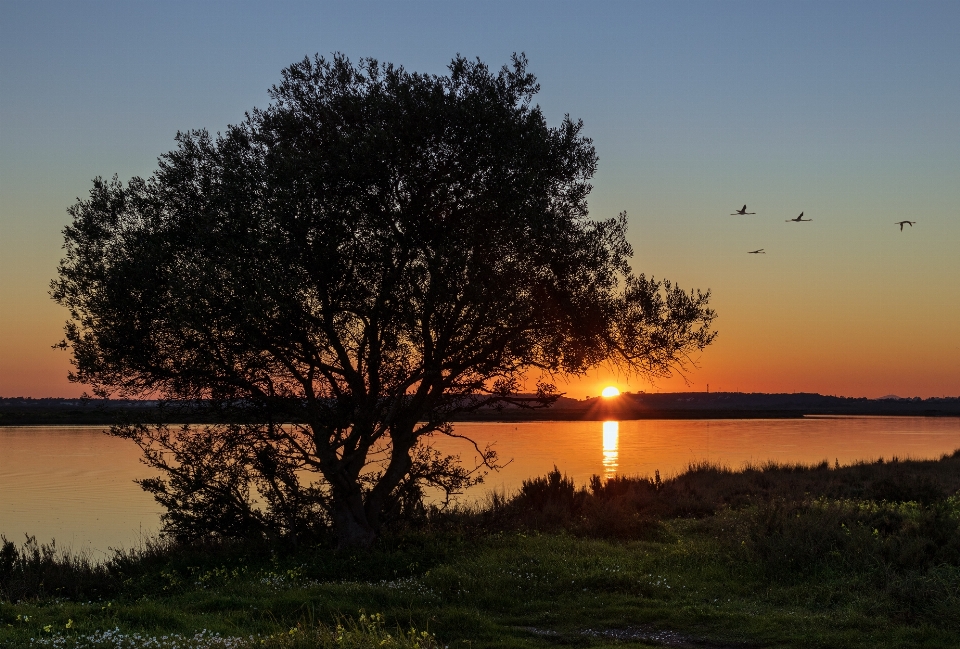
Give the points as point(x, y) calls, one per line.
point(844, 111)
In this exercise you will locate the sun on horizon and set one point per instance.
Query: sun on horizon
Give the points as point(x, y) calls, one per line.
point(610, 391)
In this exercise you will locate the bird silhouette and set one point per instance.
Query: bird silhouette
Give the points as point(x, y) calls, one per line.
point(798, 219)
point(761, 251)
point(901, 223)
point(742, 211)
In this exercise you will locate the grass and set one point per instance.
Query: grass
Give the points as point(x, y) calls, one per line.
point(775, 556)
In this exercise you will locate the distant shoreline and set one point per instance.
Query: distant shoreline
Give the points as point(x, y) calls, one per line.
point(629, 406)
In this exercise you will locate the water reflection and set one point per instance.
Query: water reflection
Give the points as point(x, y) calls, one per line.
point(611, 448)
point(76, 485)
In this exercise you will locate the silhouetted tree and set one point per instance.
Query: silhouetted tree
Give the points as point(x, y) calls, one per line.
point(374, 252)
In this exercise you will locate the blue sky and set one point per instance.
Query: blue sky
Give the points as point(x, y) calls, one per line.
point(848, 111)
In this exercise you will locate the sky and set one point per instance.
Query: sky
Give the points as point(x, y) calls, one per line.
point(847, 111)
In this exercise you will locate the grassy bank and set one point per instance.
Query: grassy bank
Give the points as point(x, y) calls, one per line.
point(858, 556)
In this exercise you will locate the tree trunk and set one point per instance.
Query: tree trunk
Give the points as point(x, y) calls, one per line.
point(350, 524)
point(398, 468)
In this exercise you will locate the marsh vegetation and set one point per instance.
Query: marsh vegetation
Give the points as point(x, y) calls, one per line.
point(864, 555)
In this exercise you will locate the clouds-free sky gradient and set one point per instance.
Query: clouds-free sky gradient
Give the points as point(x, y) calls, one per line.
point(847, 111)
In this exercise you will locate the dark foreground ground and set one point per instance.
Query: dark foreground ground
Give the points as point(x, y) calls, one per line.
point(675, 405)
point(866, 555)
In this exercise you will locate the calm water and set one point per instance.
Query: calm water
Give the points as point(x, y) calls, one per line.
point(76, 484)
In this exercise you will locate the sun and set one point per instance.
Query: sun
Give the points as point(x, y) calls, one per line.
point(610, 391)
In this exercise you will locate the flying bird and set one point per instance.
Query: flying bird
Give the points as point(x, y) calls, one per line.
point(799, 219)
point(901, 223)
point(761, 251)
point(742, 211)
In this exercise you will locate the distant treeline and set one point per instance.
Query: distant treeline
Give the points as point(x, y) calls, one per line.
point(21, 411)
point(24, 411)
point(725, 405)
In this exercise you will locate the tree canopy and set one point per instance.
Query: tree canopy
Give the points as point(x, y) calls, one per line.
point(374, 252)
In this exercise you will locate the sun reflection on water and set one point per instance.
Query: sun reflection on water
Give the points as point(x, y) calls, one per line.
point(611, 448)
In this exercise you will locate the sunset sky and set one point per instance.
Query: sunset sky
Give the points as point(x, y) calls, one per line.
point(847, 111)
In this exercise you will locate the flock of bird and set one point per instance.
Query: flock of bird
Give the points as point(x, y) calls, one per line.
point(760, 251)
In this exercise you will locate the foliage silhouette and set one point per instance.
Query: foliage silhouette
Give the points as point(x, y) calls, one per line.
point(374, 252)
